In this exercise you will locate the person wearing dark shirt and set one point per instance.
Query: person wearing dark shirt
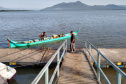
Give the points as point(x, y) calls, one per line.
point(72, 44)
point(42, 36)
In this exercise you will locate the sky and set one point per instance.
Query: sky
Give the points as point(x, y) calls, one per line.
point(40, 4)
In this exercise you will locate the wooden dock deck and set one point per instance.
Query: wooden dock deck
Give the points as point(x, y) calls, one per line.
point(116, 55)
point(76, 70)
point(25, 56)
point(38, 56)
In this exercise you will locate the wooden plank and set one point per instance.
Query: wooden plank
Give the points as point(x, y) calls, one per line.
point(26, 56)
point(36, 55)
point(76, 70)
point(20, 55)
point(48, 55)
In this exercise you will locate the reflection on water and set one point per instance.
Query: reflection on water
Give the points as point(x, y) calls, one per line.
point(112, 76)
point(25, 75)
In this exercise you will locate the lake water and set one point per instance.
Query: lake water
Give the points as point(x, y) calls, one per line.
point(103, 28)
point(25, 75)
point(112, 76)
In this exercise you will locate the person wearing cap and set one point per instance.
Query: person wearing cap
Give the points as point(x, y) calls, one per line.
point(42, 36)
point(72, 44)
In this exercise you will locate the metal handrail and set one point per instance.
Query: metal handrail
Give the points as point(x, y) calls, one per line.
point(119, 71)
point(46, 67)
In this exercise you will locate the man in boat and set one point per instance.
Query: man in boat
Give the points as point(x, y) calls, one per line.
point(42, 36)
point(72, 44)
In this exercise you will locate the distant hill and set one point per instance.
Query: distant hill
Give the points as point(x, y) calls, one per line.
point(81, 6)
point(2, 8)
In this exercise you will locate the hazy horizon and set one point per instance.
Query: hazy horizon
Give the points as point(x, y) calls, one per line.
point(40, 4)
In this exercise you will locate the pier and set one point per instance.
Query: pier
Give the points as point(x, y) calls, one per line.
point(72, 68)
point(33, 57)
point(25, 57)
point(116, 55)
point(76, 69)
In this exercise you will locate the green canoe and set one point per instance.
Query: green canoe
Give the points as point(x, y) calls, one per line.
point(13, 44)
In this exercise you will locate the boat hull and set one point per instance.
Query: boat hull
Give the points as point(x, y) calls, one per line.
point(13, 44)
point(7, 72)
point(9, 80)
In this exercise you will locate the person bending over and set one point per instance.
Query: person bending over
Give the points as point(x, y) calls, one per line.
point(42, 36)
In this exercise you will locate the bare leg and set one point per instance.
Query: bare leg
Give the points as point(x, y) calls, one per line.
point(42, 38)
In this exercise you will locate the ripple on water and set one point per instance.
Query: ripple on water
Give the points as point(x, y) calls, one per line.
point(104, 28)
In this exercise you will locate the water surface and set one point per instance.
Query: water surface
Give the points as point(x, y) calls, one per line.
point(104, 28)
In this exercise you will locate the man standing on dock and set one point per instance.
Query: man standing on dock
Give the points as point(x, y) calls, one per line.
point(72, 44)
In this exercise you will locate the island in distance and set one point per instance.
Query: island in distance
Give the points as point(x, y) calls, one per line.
point(9, 9)
point(81, 6)
point(2, 8)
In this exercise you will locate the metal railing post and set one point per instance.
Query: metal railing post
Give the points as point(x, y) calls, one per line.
point(58, 63)
point(90, 52)
point(63, 50)
point(85, 45)
point(98, 67)
point(120, 73)
point(118, 78)
point(66, 45)
point(47, 76)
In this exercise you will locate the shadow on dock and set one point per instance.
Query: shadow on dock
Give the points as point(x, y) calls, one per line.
point(26, 57)
point(76, 69)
